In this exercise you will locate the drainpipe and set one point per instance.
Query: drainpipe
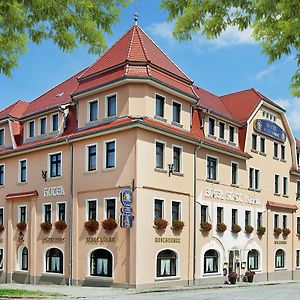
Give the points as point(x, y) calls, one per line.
point(268, 226)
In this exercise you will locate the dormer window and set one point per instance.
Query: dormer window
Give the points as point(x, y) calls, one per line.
point(31, 129)
point(111, 105)
point(43, 125)
point(54, 126)
point(2, 137)
point(160, 106)
point(298, 159)
point(93, 110)
point(231, 134)
point(176, 112)
point(222, 130)
point(211, 126)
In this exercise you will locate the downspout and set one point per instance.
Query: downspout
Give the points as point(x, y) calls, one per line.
point(293, 245)
point(268, 226)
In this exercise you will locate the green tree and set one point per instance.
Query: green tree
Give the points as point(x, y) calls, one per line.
point(66, 22)
point(275, 23)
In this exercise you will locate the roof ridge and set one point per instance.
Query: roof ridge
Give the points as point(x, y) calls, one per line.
point(16, 105)
point(130, 44)
point(232, 93)
point(143, 45)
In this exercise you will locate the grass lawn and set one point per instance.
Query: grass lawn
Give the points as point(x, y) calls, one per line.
point(21, 294)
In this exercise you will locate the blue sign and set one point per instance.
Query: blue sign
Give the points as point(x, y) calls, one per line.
point(270, 129)
point(126, 211)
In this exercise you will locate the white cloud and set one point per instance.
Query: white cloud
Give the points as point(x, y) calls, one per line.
point(265, 72)
point(162, 30)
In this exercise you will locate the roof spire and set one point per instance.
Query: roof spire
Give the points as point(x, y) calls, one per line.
point(136, 15)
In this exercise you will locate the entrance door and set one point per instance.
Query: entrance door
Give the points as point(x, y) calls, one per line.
point(233, 263)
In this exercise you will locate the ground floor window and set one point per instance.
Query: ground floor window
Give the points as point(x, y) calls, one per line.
point(279, 258)
point(253, 260)
point(298, 258)
point(1, 259)
point(101, 263)
point(211, 261)
point(54, 261)
point(23, 259)
point(166, 263)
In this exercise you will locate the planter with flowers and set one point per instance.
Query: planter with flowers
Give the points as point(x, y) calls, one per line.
point(286, 231)
point(249, 276)
point(221, 227)
point(46, 226)
point(60, 225)
point(160, 224)
point(248, 229)
point(109, 224)
point(277, 231)
point(177, 225)
point(205, 226)
point(91, 226)
point(235, 228)
point(232, 277)
point(22, 226)
point(1, 228)
point(261, 230)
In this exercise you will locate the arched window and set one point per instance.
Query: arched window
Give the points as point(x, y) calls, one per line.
point(23, 259)
point(253, 260)
point(54, 261)
point(166, 263)
point(101, 263)
point(279, 258)
point(211, 261)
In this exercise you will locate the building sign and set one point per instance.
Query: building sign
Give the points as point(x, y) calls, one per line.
point(53, 240)
point(98, 240)
point(270, 129)
point(126, 217)
point(54, 191)
point(230, 196)
point(167, 240)
point(279, 242)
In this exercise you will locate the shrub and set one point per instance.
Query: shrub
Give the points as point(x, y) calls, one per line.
point(91, 225)
point(261, 230)
point(1, 228)
point(221, 227)
point(21, 226)
point(249, 273)
point(232, 275)
point(177, 225)
point(60, 225)
point(277, 231)
point(285, 231)
point(46, 226)
point(161, 223)
point(205, 226)
point(109, 224)
point(235, 228)
point(249, 229)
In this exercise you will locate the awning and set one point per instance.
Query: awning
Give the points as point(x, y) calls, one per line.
point(21, 195)
point(282, 205)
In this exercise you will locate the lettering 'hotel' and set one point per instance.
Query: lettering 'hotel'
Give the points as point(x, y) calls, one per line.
point(129, 174)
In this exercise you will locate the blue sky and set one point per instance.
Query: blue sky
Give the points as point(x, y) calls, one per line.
point(231, 63)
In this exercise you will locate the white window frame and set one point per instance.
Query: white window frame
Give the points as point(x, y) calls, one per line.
point(19, 171)
point(106, 105)
point(51, 122)
point(234, 132)
point(4, 173)
point(177, 276)
point(104, 154)
point(87, 209)
point(105, 206)
point(40, 127)
point(164, 155)
point(28, 129)
point(44, 212)
point(180, 209)
point(57, 210)
point(49, 165)
point(279, 189)
point(3, 128)
point(3, 254)
point(163, 207)
point(89, 110)
point(261, 138)
point(215, 125)
point(219, 127)
point(237, 174)
point(297, 262)
point(181, 158)
point(217, 167)
point(278, 225)
point(180, 112)
point(254, 177)
point(20, 250)
point(287, 186)
point(165, 100)
point(252, 135)
point(45, 260)
point(87, 158)
point(19, 213)
point(3, 218)
point(285, 259)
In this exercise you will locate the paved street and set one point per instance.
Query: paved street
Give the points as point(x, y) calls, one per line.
point(257, 291)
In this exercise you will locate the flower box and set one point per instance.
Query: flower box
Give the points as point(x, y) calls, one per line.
point(60, 225)
point(161, 224)
point(109, 224)
point(277, 231)
point(177, 225)
point(22, 226)
point(91, 225)
point(248, 229)
point(205, 226)
point(46, 226)
point(249, 276)
point(1, 228)
point(221, 227)
point(235, 228)
point(232, 277)
point(286, 231)
point(261, 230)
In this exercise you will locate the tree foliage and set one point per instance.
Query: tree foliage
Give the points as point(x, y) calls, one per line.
point(275, 23)
point(66, 22)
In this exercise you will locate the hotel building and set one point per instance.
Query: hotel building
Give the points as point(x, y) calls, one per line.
point(128, 174)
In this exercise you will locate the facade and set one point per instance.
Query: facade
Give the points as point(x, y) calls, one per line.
point(206, 180)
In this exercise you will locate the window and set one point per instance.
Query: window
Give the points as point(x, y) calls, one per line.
point(110, 154)
point(275, 150)
point(91, 158)
point(234, 216)
point(254, 178)
point(160, 106)
point(166, 264)
point(253, 260)
point(176, 112)
point(231, 134)
point(298, 190)
point(101, 263)
point(212, 168)
point(262, 145)
point(276, 187)
point(31, 129)
point(220, 212)
point(55, 165)
point(2, 137)
point(177, 151)
point(110, 208)
point(92, 210)
point(111, 105)
point(254, 142)
point(54, 122)
point(259, 219)
point(204, 213)
point(176, 211)
point(298, 225)
point(1, 216)
point(276, 221)
point(23, 259)
point(2, 175)
point(234, 173)
point(1, 259)
point(285, 186)
point(211, 261)
point(211, 126)
point(23, 170)
point(93, 110)
point(159, 163)
point(158, 209)
point(221, 130)
point(282, 152)
point(247, 218)
point(284, 221)
point(61, 212)
point(298, 159)
point(298, 258)
point(279, 259)
point(43, 125)
point(47, 213)
point(54, 261)
point(22, 217)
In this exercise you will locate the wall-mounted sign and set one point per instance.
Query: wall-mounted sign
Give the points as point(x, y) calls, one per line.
point(101, 239)
point(126, 217)
point(167, 240)
point(270, 129)
point(230, 196)
point(279, 242)
point(54, 191)
point(53, 240)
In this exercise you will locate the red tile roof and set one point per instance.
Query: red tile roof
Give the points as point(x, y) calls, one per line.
point(281, 205)
point(15, 110)
point(21, 195)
